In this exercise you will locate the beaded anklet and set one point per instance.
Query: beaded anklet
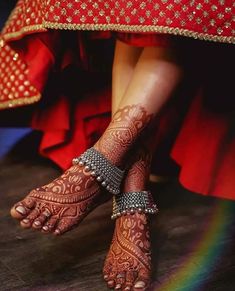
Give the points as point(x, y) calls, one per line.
point(131, 202)
point(102, 169)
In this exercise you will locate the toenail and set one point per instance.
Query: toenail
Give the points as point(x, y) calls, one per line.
point(118, 286)
point(45, 228)
point(127, 288)
point(21, 210)
point(106, 277)
point(110, 282)
point(37, 223)
point(26, 220)
point(121, 275)
point(57, 231)
point(47, 213)
point(139, 284)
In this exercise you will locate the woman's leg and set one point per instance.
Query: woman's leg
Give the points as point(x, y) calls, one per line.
point(128, 262)
point(148, 77)
point(125, 60)
point(60, 205)
point(154, 78)
point(115, 272)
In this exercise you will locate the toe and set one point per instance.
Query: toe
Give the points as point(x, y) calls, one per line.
point(111, 283)
point(106, 271)
point(27, 222)
point(18, 211)
point(118, 286)
point(140, 285)
point(130, 279)
point(111, 280)
point(120, 280)
point(142, 281)
point(22, 209)
point(41, 219)
point(50, 225)
point(64, 225)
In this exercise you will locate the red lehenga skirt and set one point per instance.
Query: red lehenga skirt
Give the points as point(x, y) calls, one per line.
point(69, 73)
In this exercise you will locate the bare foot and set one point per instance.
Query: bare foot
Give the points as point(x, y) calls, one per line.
point(128, 263)
point(60, 205)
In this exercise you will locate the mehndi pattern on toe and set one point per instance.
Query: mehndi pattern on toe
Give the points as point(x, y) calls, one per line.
point(61, 204)
point(129, 253)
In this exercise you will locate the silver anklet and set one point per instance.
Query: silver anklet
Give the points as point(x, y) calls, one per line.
point(105, 172)
point(131, 202)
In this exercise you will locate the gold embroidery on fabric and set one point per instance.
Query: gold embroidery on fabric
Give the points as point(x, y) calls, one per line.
point(121, 28)
point(24, 30)
point(19, 102)
point(15, 88)
point(141, 29)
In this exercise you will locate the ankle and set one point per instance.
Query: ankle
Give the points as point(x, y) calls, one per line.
point(113, 155)
point(126, 126)
point(135, 216)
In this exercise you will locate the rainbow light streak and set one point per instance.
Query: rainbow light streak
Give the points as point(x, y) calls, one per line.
point(196, 269)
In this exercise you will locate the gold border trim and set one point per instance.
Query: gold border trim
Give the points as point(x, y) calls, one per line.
point(141, 28)
point(119, 28)
point(7, 36)
point(19, 102)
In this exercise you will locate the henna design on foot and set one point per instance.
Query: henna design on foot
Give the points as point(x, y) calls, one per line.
point(125, 127)
point(64, 202)
point(61, 204)
point(128, 263)
point(138, 174)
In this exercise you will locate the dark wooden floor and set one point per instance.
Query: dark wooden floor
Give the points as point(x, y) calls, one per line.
point(193, 239)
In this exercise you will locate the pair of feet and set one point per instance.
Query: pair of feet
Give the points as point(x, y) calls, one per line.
point(62, 204)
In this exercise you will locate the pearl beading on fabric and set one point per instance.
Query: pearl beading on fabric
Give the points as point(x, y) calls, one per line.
point(131, 202)
point(105, 172)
